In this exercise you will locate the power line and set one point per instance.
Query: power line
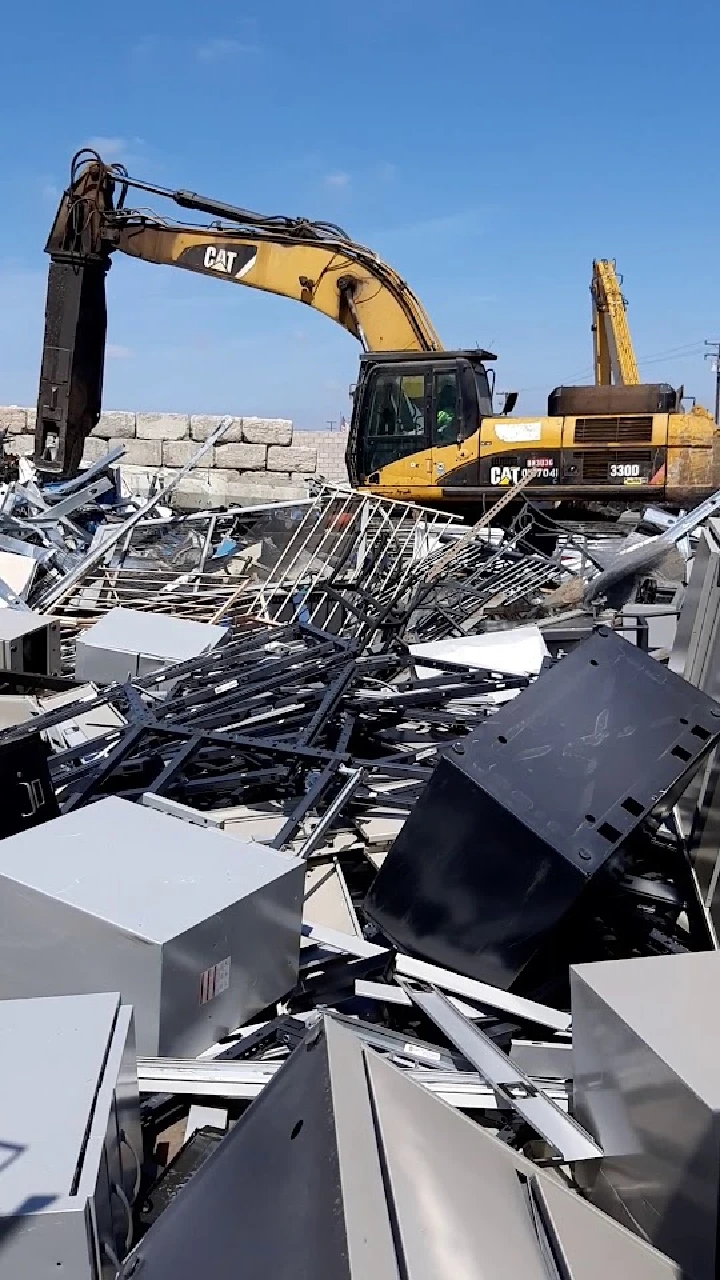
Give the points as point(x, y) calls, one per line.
point(714, 355)
point(586, 375)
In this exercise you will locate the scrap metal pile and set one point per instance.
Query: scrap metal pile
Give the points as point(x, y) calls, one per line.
point(356, 809)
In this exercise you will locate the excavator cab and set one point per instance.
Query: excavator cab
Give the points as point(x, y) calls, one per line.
point(414, 412)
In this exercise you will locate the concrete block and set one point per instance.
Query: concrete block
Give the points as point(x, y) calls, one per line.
point(94, 449)
point(241, 457)
point(31, 415)
point(141, 453)
point(331, 446)
point(137, 480)
point(293, 458)
point(115, 426)
point(162, 426)
point(202, 425)
point(331, 473)
point(22, 445)
point(177, 453)
point(246, 494)
point(267, 431)
point(13, 419)
point(265, 479)
point(202, 492)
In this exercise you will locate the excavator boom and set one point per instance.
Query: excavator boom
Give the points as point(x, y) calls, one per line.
point(360, 293)
point(315, 263)
point(612, 345)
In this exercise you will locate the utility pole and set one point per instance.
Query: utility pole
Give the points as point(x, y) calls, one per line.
point(331, 423)
point(714, 355)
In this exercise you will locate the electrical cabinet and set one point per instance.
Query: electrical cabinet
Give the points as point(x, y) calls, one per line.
point(645, 1057)
point(70, 1141)
point(29, 643)
point(520, 815)
point(197, 930)
point(128, 642)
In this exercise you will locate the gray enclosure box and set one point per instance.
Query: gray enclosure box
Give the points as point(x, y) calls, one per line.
point(197, 930)
point(346, 1169)
point(70, 1141)
point(29, 643)
point(646, 1049)
point(128, 642)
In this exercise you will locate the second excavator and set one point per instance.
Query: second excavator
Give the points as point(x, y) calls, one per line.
point(423, 425)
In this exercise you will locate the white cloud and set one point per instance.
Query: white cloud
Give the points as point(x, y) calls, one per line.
point(112, 150)
point(109, 148)
point(221, 47)
point(338, 180)
point(467, 221)
point(114, 351)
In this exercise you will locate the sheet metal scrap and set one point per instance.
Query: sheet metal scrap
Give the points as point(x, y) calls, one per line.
point(346, 567)
point(350, 1145)
point(538, 839)
point(313, 727)
point(198, 565)
point(633, 559)
point(489, 573)
point(111, 537)
point(279, 714)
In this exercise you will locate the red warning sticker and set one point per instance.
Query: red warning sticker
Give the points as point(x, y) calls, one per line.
point(215, 980)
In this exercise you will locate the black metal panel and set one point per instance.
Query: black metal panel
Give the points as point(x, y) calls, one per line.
point(509, 832)
point(268, 1201)
point(594, 745)
point(28, 797)
point(466, 886)
point(188, 1161)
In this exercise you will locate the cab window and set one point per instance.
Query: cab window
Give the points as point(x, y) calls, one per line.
point(397, 421)
point(447, 421)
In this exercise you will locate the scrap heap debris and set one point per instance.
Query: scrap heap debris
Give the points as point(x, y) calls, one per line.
point(360, 871)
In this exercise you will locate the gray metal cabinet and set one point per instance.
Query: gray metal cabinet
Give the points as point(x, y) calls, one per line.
point(29, 642)
point(70, 1140)
point(128, 642)
point(197, 930)
point(646, 1047)
point(345, 1169)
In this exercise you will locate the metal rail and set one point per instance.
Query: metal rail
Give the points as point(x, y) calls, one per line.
point(511, 1085)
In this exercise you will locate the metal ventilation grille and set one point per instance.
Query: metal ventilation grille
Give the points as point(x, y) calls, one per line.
point(596, 466)
point(629, 430)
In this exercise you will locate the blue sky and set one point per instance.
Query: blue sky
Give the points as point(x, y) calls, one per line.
point(487, 152)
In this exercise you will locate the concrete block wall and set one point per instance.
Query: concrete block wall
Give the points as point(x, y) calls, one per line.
point(330, 448)
point(257, 460)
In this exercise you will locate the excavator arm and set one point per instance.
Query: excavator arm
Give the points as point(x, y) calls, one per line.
point(314, 263)
point(612, 345)
point(367, 299)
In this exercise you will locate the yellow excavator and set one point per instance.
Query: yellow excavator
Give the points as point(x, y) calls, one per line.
point(613, 353)
point(423, 425)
